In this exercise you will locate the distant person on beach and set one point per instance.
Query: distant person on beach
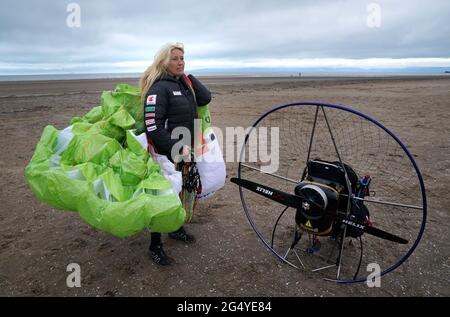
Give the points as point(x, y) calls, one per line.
point(170, 100)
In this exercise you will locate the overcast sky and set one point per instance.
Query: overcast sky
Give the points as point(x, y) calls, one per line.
point(123, 36)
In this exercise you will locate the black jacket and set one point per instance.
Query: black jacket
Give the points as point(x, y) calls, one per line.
point(168, 104)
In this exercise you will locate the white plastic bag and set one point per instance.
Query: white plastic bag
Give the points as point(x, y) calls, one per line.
point(169, 171)
point(211, 166)
point(167, 167)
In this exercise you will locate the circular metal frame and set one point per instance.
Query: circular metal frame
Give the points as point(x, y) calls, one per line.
point(410, 157)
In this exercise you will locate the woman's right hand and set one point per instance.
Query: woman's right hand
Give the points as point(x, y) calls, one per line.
point(186, 153)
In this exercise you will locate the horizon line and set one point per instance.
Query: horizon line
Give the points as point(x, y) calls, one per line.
point(229, 65)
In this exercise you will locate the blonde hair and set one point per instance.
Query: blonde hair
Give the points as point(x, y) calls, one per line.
point(158, 68)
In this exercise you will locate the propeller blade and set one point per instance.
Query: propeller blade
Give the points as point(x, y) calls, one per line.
point(374, 231)
point(295, 201)
point(269, 192)
point(385, 235)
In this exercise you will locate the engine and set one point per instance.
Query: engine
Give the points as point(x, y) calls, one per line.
point(322, 188)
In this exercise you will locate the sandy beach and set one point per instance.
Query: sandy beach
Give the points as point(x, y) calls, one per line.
point(37, 242)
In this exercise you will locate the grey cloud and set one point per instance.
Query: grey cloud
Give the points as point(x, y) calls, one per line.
point(115, 31)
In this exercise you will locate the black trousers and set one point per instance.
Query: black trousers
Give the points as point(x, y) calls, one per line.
point(156, 238)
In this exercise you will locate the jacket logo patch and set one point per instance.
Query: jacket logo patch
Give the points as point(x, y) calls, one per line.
point(149, 108)
point(150, 115)
point(152, 128)
point(151, 100)
point(150, 121)
point(177, 93)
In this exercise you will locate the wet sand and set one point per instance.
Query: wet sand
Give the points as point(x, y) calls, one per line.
point(37, 242)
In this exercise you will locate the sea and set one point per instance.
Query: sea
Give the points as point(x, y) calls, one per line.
point(246, 72)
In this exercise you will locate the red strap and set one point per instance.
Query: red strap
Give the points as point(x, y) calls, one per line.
point(150, 146)
point(187, 80)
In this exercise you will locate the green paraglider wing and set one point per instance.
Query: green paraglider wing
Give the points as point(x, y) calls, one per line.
point(97, 168)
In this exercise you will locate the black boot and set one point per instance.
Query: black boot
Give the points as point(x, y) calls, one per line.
point(156, 251)
point(182, 235)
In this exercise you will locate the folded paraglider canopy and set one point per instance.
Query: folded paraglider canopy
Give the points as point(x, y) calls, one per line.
point(99, 168)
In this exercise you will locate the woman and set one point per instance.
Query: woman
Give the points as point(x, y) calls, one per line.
point(170, 101)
